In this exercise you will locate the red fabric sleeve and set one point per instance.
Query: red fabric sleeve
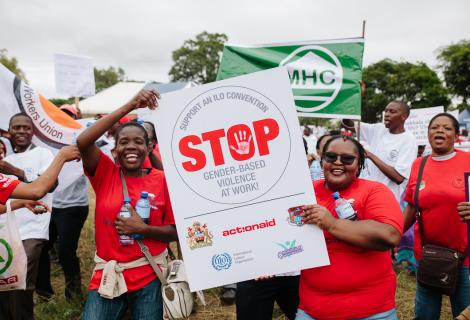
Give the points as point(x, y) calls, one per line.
point(102, 174)
point(381, 206)
point(410, 188)
point(7, 185)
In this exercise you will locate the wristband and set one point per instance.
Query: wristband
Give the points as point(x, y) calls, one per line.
point(8, 205)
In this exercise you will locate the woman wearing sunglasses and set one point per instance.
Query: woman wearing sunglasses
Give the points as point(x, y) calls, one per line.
point(359, 283)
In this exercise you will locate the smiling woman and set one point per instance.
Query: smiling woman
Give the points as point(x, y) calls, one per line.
point(132, 147)
point(359, 282)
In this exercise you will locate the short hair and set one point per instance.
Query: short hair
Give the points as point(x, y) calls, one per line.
point(154, 132)
point(17, 115)
point(130, 124)
point(359, 148)
point(403, 105)
point(320, 140)
point(455, 122)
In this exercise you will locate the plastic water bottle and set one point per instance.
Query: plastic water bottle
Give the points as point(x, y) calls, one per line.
point(143, 210)
point(315, 170)
point(343, 208)
point(125, 240)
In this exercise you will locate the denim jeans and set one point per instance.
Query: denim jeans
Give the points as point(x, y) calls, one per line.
point(387, 315)
point(145, 304)
point(428, 301)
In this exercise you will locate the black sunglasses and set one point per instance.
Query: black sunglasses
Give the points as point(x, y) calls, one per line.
point(345, 159)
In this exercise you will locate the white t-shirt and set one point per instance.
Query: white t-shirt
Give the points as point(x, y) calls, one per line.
point(35, 160)
point(311, 144)
point(396, 150)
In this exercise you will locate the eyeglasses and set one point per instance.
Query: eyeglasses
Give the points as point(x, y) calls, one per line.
point(345, 159)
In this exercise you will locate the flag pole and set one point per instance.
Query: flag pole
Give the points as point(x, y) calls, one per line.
point(362, 93)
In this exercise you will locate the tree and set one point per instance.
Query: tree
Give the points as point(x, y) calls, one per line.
point(389, 80)
point(105, 78)
point(455, 65)
point(198, 60)
point(11, 64)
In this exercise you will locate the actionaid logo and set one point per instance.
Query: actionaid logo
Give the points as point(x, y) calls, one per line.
point(316, 76)
point(242, 140)
point(231, 145)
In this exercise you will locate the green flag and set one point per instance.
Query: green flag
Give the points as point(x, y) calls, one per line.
point(325, 75)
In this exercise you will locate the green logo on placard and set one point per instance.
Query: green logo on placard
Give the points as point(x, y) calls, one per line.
point(316, 76)
point(6, 256)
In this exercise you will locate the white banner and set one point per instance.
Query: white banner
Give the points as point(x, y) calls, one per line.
point(236, 171)
point(74, 76)
point(418, 121)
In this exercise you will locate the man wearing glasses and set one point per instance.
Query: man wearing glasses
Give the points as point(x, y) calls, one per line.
point(389, 148)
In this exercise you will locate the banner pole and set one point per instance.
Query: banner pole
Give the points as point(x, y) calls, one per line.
point(77, 100)
point(363, 28)
point(358, 133)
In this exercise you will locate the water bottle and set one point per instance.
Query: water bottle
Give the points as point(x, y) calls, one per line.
point(343, 208)
point(125, 240)
point(143, 210)
point(315, 170)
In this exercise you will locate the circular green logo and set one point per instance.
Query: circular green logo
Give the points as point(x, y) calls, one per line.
point(9, 256)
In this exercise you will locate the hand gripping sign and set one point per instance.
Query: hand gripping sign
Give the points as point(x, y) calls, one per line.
point(235, 163)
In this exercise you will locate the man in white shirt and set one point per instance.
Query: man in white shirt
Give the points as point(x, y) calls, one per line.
point(30, 161)
point(390, 149)
point(311, 140)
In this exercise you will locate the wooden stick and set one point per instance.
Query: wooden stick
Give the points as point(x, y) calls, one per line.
point(363, 28)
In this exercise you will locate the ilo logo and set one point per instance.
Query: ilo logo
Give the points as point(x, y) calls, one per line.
point(221, 261)
point(316, 76)
point(6, 256)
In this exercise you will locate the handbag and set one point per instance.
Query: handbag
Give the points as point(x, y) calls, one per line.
point(178, 301)
point(439, 266)
point(13, 260)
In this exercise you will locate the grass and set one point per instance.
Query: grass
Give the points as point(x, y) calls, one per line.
point(60, 309)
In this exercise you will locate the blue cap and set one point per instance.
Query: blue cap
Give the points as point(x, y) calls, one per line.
point(144, 194)
point(127, 200)
point(336, 195)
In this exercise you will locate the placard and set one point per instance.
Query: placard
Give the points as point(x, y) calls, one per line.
point(237, 173)
point(418, 121)
point(74, 75)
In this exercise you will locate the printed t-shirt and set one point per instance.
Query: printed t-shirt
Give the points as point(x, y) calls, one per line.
point(396, 150)
point(7, 185)
point(35, 160)
point(442, 188)
point(109, 199)
point(358, 282)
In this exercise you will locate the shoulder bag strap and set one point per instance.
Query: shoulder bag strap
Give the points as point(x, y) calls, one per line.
point(143, 247)
point(416, 198)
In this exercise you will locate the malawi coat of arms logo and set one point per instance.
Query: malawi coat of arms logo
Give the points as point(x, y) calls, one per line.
point(199, 236)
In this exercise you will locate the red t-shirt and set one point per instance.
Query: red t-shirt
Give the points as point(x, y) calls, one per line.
point(358, 282)
point(442, 187)
point(109, 199)
point(7, 185)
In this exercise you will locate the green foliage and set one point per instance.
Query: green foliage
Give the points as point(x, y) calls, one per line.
point(59, 102)
point(11, 64)
point(455, 65)
point(105, 78)
point(198, 60)
point(389, 80)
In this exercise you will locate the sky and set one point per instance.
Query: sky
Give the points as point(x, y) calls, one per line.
point(139, 36)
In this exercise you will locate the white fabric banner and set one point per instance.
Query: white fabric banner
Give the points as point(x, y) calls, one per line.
point(237, 171)
point(53, 128)
point(74, 75)
point(418, 121)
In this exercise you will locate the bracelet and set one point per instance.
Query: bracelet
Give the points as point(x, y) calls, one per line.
point(8, 205)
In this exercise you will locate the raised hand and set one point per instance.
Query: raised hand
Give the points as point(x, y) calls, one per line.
point(145, 99)
point(243, 142)
point(69, 153)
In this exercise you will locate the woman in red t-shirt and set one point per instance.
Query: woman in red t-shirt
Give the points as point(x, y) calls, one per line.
point(444, 210)
point(122, 277)
point(360, 282)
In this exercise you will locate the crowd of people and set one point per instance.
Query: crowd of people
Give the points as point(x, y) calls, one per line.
point(376, 172)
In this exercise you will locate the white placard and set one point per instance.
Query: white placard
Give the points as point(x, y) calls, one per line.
point(235, 163)
point(418, 121)
point(74, 75)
